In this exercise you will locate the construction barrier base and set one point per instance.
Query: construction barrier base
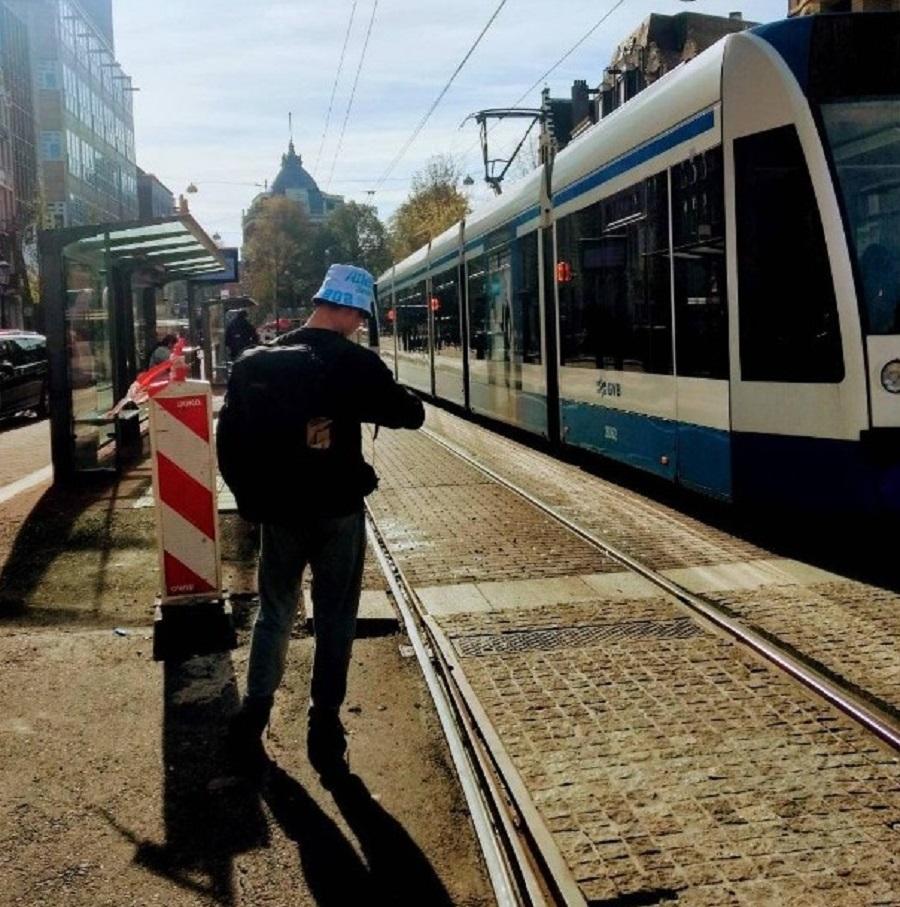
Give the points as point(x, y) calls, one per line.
point(194, 628)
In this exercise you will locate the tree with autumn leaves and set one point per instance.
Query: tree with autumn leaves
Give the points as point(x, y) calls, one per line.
point(435, 203)
point(286, 255)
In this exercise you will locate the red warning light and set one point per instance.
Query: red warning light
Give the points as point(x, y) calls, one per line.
point(563, 272)
point(435, 303)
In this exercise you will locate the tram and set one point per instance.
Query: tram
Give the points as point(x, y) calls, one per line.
point(704, 285)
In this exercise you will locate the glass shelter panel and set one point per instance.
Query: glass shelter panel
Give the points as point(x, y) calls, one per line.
point(445, 305)
point(412, 320)
point(413, 355)
point(90, 363)
point(387, 320)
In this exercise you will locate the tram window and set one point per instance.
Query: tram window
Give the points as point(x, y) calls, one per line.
point(386, 316)
point(412, 319)
point(698, 251)
point(497, 318)
point(526, 314)
point(613, 281)
point(476, 294)
point(504, 309)
point(445, 305)
point(788, 311)
point(865, 147)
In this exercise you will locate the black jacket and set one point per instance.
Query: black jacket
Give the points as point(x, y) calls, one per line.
point(239, 335)
point(297, 426)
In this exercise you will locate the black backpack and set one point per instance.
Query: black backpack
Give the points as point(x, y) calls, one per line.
point(274, 439)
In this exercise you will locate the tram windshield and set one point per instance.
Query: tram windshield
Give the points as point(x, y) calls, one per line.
point(864, 136)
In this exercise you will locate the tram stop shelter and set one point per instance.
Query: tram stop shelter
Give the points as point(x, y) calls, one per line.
point(95, 284)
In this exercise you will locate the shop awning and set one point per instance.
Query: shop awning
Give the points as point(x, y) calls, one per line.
point(168, 248)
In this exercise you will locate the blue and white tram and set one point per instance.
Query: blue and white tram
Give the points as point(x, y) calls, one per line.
point(706, 285)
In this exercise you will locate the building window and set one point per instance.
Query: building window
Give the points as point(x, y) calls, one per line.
point(51, 146)
point(84, 104)
point(73, 150)
point(788, 311)
point(47, 75)
point(70, 88)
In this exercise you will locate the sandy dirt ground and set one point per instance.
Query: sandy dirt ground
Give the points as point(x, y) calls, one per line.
point(115, 788)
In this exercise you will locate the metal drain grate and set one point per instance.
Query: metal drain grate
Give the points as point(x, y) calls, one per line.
point(533, 640)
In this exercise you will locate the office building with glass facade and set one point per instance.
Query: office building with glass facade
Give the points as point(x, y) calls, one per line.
point(85, 117)
point(18, 169)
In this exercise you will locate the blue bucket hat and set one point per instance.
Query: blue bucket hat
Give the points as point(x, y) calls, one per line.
point(349, 286)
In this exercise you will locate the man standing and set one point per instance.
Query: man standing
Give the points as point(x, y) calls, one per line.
point(240, 334)
point(298, 405)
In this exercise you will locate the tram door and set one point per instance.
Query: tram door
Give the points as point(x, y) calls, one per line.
point(699, 288)
point(798, 392)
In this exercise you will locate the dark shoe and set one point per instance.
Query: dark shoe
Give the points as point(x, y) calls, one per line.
point(244, 737)
point(326, 744)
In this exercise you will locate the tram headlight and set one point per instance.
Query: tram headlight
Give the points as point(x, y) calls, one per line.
point(890, 377)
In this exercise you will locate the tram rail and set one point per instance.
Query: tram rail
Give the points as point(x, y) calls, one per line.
point(525, 869)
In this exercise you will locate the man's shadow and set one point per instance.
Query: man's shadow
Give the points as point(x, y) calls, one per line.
point(393, 869)
point(209, 815)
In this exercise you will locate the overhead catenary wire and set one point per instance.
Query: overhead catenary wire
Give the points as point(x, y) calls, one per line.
point(421, 125)
point(362, 58)
point(337, 77)
point(569, 52)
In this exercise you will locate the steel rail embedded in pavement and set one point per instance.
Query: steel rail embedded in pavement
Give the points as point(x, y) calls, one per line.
point(507, 888)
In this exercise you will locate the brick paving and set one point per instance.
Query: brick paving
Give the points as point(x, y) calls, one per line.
point(672, 763)
point(447, 523)
point(664, 538)
point(847, 627)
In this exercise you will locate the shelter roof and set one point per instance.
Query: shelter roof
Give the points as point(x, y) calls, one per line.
point(170, 248)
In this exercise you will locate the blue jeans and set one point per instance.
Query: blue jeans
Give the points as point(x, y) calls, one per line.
point(335, 549)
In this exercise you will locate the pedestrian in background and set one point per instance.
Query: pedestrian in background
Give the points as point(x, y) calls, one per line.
point(162, 351)
point(308, 394)
point(240, 334)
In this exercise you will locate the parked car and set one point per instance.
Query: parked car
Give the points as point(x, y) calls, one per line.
point(23, 373)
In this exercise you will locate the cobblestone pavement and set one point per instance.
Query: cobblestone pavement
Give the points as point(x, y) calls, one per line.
point(666, 762)
point(448, 523)
point(849, 628)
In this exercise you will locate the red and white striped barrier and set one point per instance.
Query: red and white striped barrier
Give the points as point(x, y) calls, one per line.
point(184, 487)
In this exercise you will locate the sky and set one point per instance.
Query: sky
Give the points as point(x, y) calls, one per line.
point(217, 80)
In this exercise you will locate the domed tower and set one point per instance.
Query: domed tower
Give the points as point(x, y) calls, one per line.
point(295, 183)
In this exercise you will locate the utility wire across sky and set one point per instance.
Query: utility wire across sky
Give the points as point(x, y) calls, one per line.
point(334, 87)
point(362, 58)
point(439, 98)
